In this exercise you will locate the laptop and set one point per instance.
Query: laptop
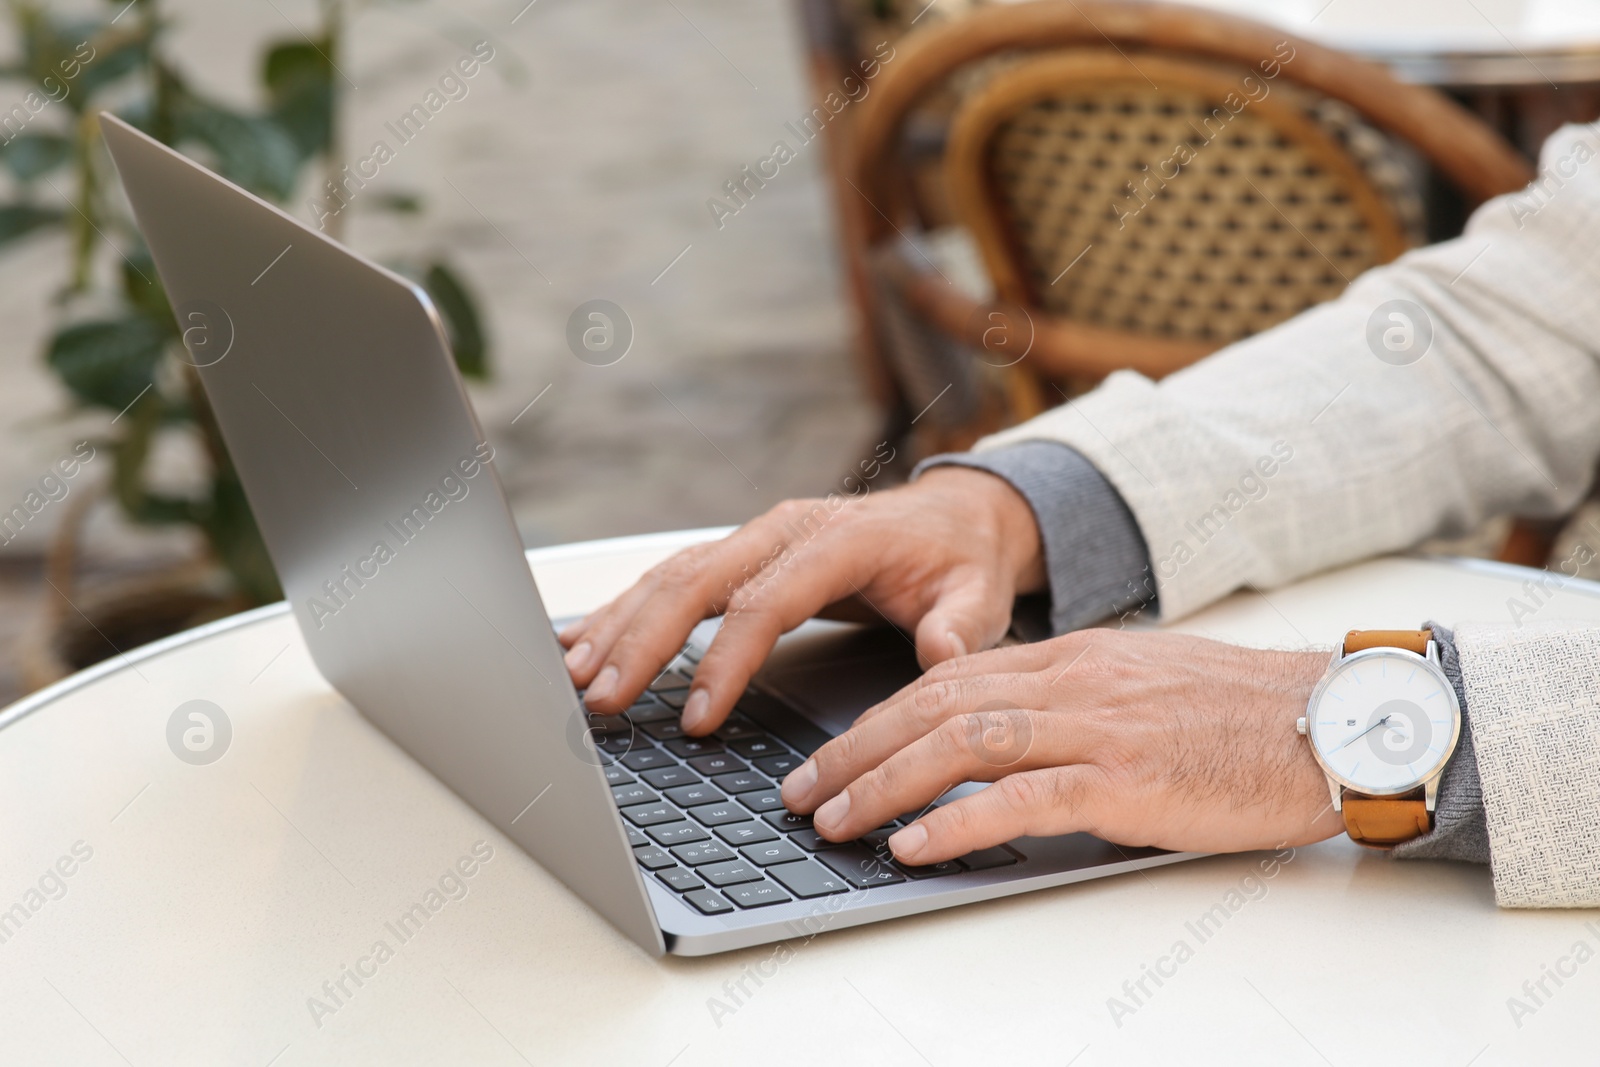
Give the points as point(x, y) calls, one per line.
point(377, 495)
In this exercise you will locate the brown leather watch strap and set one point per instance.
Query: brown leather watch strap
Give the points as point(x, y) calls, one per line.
point(1384, 822)
point(1410, 640)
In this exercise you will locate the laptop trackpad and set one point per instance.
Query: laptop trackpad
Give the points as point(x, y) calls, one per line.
point(830, 672)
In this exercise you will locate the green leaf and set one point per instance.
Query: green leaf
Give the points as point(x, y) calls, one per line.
point(129, 456)
point(252, 151)
point(18, 220)
point(462, 322)
point(108, 363)
point(230, 527)
point(33, 154)
point(399, 203)
point(300, 90)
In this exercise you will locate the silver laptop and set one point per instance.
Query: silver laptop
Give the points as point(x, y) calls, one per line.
point(376, 491)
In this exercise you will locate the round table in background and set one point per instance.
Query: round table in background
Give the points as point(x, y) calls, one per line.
point(1525, 66)
point(178, 912)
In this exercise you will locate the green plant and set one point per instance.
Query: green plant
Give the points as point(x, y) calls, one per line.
point(115, 344)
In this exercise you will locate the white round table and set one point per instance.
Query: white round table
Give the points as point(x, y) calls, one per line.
point(160, 912)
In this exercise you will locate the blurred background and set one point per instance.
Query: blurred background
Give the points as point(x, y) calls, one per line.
point(891, 276)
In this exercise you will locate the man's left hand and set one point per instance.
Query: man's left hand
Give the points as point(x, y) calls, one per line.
point(1138, 738)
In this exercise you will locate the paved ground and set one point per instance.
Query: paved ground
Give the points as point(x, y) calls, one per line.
point(577, 167)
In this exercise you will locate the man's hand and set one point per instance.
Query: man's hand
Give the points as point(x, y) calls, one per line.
point(943, 556)
point(1138, 738)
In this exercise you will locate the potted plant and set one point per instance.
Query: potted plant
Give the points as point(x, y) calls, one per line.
point(116, 337)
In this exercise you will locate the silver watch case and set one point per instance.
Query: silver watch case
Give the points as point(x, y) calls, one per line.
point(1430, 781)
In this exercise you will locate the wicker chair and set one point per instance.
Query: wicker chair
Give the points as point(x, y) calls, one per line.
point(1104, 130)
point(1145, 183)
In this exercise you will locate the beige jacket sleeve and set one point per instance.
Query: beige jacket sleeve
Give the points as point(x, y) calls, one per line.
point(1458, 383)
point(1300, 448)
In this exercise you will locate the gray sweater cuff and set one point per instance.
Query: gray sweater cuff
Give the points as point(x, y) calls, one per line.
point(1459, 830)
point(1093, 551)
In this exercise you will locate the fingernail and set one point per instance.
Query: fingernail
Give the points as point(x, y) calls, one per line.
point(577, 658)
point(696, 708)
point(956, 644)
point(908, 844)
point(799, 783)
point(602, 686)
point(833, 812)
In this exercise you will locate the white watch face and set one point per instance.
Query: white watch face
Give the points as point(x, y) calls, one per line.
point(1383, 720)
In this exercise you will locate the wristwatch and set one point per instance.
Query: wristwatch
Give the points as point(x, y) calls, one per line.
point(1382, 723)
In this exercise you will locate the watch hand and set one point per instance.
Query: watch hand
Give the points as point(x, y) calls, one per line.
point(1363, 733)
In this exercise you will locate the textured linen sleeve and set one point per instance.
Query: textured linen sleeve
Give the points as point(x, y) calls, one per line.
point(1458, 383)
point(1534, 691)
point(1093, 552)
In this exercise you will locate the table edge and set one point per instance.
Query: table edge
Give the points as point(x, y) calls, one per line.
point(566, 552)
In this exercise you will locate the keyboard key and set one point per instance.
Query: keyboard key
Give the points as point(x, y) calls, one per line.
point(680, 879)
point(604, 726)
point(766, 855)
point(652, 858)
point(812, 841)
point(787, 820)
point(687, 796)
point(669, 681)
point(807, 879)
point(757, 747)
point(742, 782)
point(861, 868)
point(717, 763)
point(615, 775)
point(649, 759)
point(931, 870)
point(663, 729)
point(621, 744)
point(677, 833)
point(674, 699)
point(623, 795)
point(756, 895)
point(668, 777)
point(647, 710)
point(730, 873)
point(689, 747)
point(878, 840)
point(762, 802)
point(718, 814)
point(708, 902)
point(746, 833)
point(703, 852)
point(778, 766)
point(737, 726)
point(635, 838)
point(651, 814)
point(985, 858)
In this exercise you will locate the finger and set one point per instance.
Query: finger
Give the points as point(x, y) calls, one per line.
point(871, 741)
point(633, 640)
point(811, 576)
point(970, 615)
point(1039, 803)
point(1013, 659)
point(582, 659)
point(972, 747)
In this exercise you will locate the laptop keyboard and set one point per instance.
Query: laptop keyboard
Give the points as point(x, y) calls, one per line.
point(705, 818)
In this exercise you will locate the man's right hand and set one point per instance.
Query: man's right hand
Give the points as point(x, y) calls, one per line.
point(942, 557)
